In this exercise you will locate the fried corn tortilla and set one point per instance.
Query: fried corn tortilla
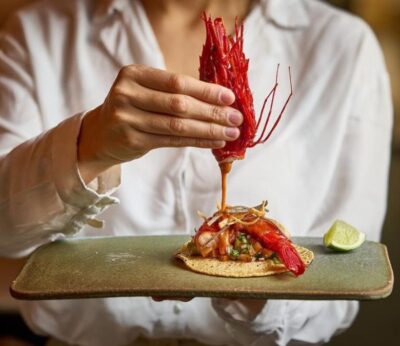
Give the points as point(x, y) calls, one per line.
point(237, 269)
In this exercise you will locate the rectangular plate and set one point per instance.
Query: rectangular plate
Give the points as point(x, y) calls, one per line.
point(144, 266)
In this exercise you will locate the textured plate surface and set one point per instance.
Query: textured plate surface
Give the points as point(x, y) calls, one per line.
point(144, 266)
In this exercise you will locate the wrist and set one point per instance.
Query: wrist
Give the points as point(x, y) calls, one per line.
point(90, 163)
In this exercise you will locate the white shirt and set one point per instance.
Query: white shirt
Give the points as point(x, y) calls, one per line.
point(328, 158)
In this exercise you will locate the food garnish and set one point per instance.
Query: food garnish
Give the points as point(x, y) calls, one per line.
point(223, 62)
point(342, 236)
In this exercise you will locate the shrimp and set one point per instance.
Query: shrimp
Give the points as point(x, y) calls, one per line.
point(263, 236)
point(271, 238)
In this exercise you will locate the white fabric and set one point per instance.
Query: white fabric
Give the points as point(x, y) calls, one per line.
point(328, 159)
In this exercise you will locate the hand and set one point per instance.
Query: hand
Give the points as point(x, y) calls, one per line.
point(240, 309)
point(181, 299)
point(148, 108)
point(243, 309)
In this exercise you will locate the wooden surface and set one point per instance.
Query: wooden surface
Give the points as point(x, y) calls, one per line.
point(144, 266)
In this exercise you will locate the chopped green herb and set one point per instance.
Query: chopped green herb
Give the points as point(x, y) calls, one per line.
point(242, 238)
point(234, 253)
point(276, 260)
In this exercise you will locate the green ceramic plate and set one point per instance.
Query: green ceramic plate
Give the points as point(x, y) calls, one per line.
point(144, 266)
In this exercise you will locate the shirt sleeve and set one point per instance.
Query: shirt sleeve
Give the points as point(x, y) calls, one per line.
point(358, 195)
point(42, 196)
point(283, 321)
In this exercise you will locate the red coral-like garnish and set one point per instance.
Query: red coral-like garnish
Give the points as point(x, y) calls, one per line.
point(223, 62)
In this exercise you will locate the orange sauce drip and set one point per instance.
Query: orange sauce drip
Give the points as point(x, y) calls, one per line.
point(225, 168)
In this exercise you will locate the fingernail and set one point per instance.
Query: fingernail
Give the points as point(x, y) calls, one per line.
point(235, 118)
point(232, 132)
point(227, 97)
point(218, 144)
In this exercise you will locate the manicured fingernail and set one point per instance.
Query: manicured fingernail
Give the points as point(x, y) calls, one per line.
point(235, 118)
point(227, 97)
point(232, 132)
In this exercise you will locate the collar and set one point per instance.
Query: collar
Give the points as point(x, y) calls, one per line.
point(288, 14)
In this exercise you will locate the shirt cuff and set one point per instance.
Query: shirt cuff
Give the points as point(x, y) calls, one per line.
point(86, 200)
point(281, 321)
point(245, 327)
point(69, 183)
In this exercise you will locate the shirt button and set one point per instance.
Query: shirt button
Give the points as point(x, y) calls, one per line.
point(177, 308)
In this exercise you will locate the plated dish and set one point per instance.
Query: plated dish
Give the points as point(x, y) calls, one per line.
point(240, 241)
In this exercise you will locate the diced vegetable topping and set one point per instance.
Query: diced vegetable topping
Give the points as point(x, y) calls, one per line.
point(222, 236)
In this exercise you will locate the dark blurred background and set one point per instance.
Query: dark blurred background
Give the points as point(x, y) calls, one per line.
point(378, 321)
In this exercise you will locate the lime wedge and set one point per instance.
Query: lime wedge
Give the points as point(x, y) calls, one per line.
point(343, 237)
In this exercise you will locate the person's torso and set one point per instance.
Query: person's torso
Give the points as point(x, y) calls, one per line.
point(76, 56)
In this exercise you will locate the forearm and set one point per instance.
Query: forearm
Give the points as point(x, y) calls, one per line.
point(42, 194)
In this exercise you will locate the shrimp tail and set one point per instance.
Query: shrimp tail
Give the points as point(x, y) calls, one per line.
point(290, 258)
point(272, 238)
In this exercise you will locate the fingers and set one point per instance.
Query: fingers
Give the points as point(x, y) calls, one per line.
point(159, 141)
point(161, 124)
point(181, 299)
point(183, 106)
point(180, 84)
point(148, 108)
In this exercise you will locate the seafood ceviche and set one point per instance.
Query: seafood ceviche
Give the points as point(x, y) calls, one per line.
point(243, 242)
point(240, 241)
point(246, 235)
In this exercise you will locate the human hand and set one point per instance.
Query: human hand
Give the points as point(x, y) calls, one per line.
point(181, 299)
point(240, 309)
point(253, 306)
point(148, 108)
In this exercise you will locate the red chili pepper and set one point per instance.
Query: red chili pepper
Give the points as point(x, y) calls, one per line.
point(223, 62)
